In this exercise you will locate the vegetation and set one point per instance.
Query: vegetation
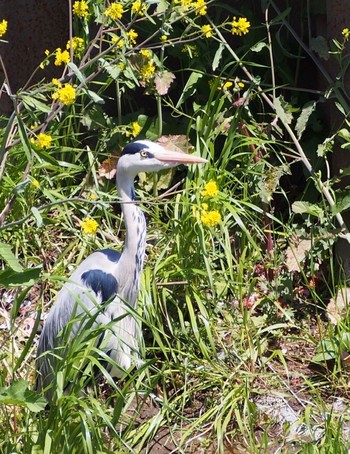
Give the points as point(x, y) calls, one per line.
point(246, 336)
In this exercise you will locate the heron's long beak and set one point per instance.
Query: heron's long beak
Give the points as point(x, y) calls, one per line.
point(177, 157)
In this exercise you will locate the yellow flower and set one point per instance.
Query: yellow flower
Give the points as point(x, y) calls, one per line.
point(138, 8)
point(115, 11)
point(146, 53)
point(56, 82)
point(77, 45)
point(240, 26)
point(132, 35)
point(346, 33)
point(207, 31)
point(201, 7)
point(211, 218)
point(148, 70)
point(240, 84)
point(135, 129)
point(81, 8)
point(121, 66)
point(210, 189)
point(3, 27)
point(35, 183)
point(66, 95)
point(227, 85)
point(118, 41)
point(42, 140)
point(89, 226)
point(61, 57)
point(164, 38)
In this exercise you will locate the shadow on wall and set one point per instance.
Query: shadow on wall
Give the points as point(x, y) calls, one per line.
point(33, 27)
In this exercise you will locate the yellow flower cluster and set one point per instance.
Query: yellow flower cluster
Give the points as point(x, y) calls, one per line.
point(199, 6)
point(89, 226)
point(133, 129)
point(138, 7)
point(210, 189)
point(346, 33)
point(209, 217)
point(3, 27)
point(207, 31)
point(132, 35)
point(81, 8)
point(115, 11)
point(77, 45)
point(65, 94)
point(147, 71)
point(42, 140)
point(61, 57)
point(240, 26)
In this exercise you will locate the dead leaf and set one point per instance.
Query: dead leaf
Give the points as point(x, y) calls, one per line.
point(163, 81)
point(108, 168)
point(175, 143)
point(296, 253)
point(336, 308)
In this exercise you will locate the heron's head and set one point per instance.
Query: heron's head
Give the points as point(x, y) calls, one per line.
point(148, 156)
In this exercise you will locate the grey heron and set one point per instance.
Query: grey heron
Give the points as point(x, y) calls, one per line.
point(107, 278)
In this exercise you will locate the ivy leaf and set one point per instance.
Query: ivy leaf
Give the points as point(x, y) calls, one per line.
point(163, 81)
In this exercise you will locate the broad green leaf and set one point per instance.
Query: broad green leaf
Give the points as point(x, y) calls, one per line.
point(112, 70)
point(20, 394)
point(189, 88)
point(77, 72)
point(11, 278)
point(300, 207)
point(304, 118)
point(95, 97)
point(281, 107)
point(30, 101)
point(320, 46)
point(217, 56)
point(37, 215)
point(9, 257)
point(259, 46)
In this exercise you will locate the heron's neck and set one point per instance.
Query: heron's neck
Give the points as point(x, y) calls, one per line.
point(131, 261)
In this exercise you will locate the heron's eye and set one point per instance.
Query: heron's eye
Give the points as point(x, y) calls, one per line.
point(143, 154)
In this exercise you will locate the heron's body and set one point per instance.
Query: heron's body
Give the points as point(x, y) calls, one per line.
point(107, 275)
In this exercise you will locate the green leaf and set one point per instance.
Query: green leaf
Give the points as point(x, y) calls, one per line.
point(95, 97)
point(282, 110)
point(259, 46)
point(300, 207)
point(9, 257)
point(30, 101)
point(217, 57)
point(304, 118)
point(320, 46)
point(77, 72)
point(37, 215)
point(189, 88)
point(20, 394)
point(11, 278)
point(112, 70)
